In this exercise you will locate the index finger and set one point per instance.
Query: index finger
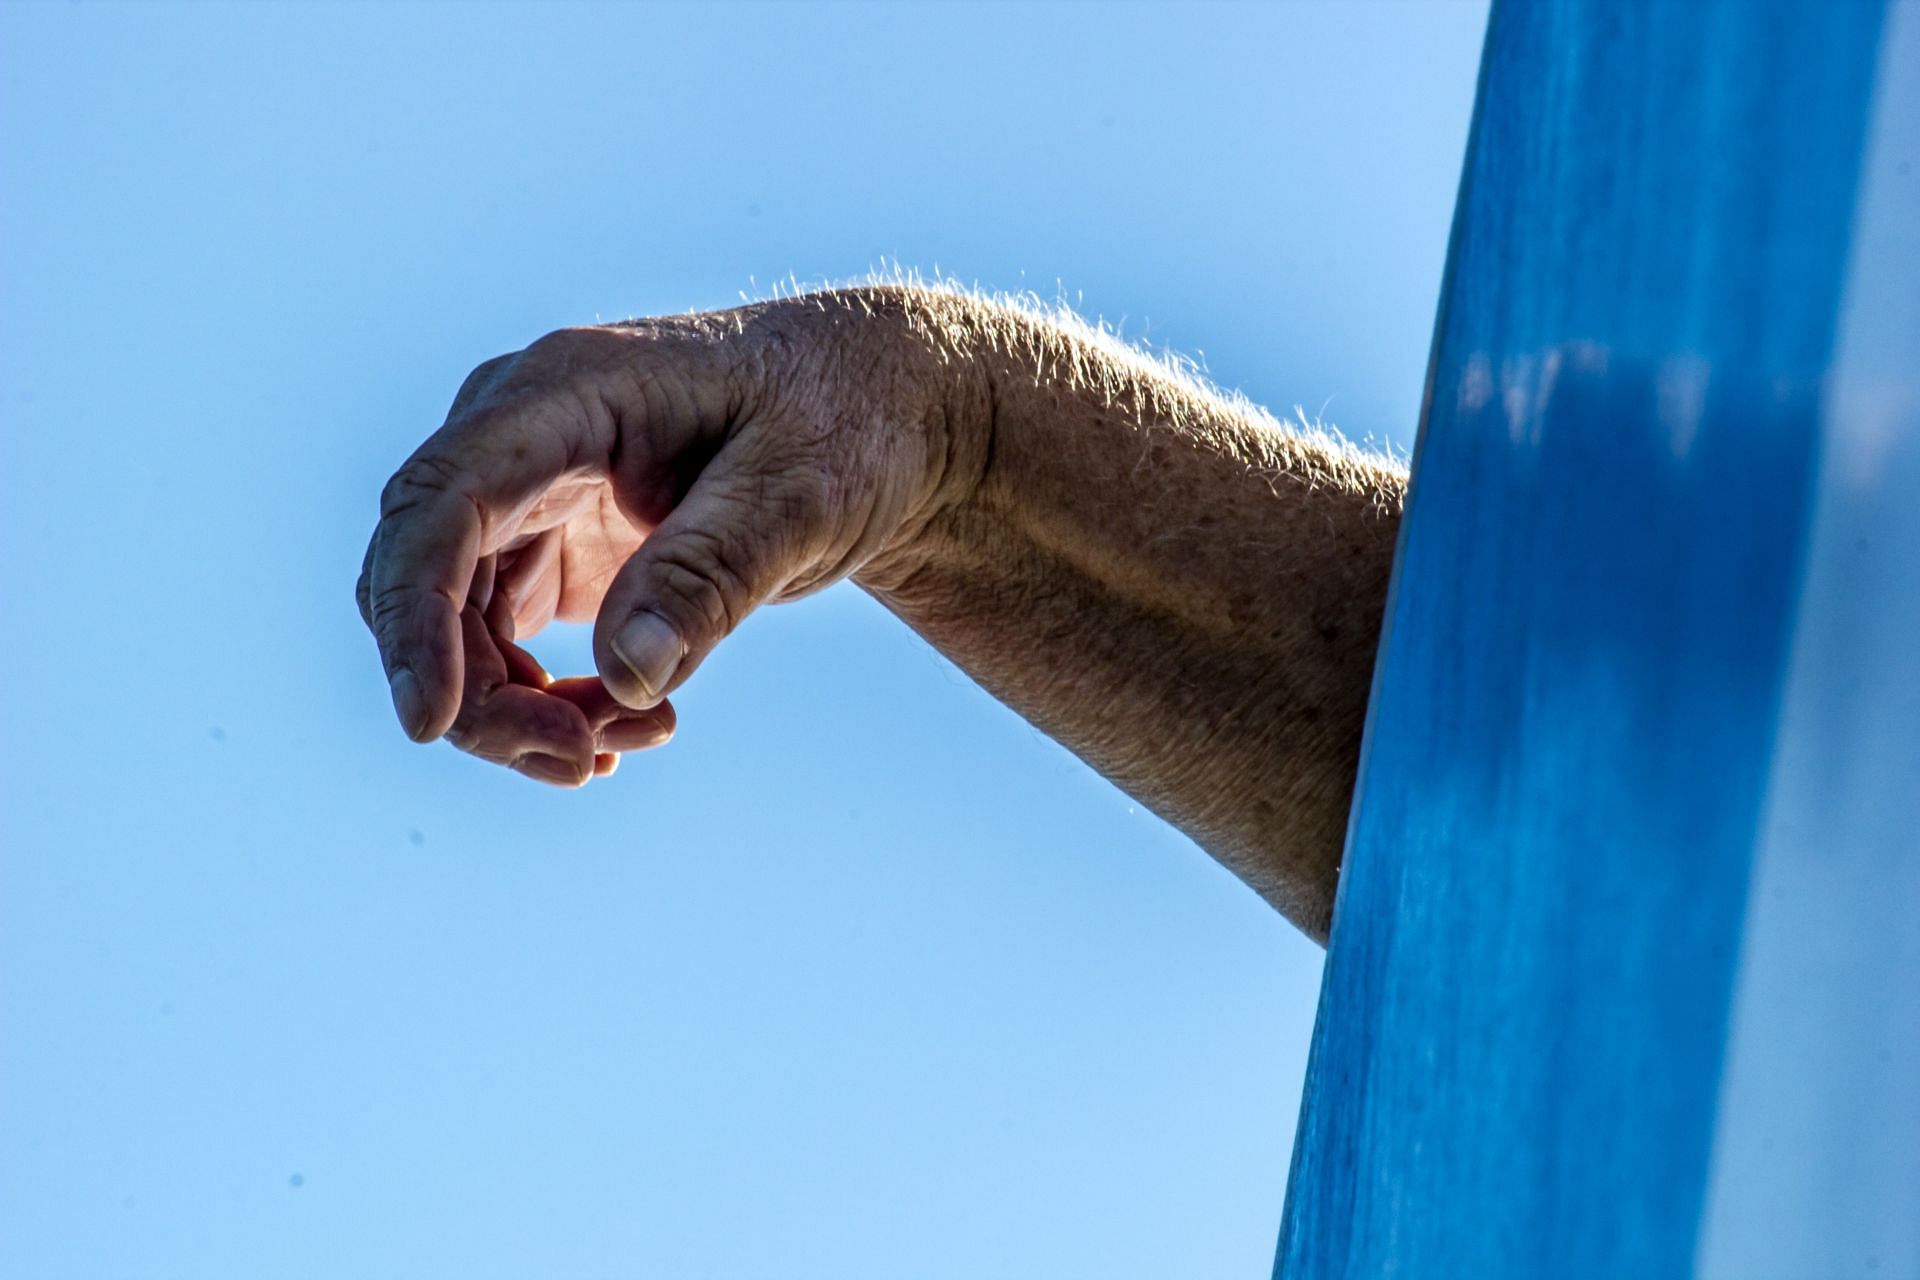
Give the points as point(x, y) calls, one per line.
point(437, 517)
point(420, 568)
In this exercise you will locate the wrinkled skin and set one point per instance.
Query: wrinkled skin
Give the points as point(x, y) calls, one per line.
point(1177, 588)
point(678, 468)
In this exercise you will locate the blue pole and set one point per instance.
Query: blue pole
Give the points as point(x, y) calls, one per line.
point(1580, 745)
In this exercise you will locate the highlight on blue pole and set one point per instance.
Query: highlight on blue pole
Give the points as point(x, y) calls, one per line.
point(1625, 970)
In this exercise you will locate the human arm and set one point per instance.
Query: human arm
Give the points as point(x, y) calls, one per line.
point(1176, 588)
point(1183, 592)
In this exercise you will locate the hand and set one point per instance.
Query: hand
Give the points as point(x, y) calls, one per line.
point(663, 478)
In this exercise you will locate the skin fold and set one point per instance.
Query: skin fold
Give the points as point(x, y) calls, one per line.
point(1179, 589)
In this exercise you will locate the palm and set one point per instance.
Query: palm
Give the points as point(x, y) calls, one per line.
point(562, 557)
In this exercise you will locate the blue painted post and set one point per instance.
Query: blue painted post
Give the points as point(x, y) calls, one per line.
point(1625, 958)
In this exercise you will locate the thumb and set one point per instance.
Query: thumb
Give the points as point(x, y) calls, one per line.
point(739, 536)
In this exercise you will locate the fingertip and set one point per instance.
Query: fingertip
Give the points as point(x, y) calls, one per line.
point(410, 704)
point(604, 763)
point(522, 667)
point(647, 653)
point(553, 770)
point(636, 733)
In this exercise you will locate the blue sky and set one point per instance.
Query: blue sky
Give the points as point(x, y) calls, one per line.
point(861, 976)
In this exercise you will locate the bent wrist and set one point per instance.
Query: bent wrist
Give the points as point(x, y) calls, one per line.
point(899, 372)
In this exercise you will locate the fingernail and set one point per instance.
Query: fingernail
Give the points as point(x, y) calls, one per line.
point(633, 735)
point(561, 773)
point(652, 650)
point(408, 702)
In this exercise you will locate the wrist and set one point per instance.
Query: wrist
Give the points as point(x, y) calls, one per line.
point(900, 370)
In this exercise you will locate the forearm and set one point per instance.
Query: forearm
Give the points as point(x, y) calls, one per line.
point(1177, 589)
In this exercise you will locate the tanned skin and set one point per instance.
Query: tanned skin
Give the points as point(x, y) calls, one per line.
point(1180, 590)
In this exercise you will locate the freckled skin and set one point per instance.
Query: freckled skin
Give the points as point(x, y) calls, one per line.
point(1180, 590)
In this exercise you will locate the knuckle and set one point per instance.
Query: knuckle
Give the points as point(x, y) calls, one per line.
point(549, 346)
point(483, 373)
point(474, 743)
point(420, 479)
point(765, 364)
point(473, 733)
point(706, 576)
point(386, 605)
point(564, 349)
